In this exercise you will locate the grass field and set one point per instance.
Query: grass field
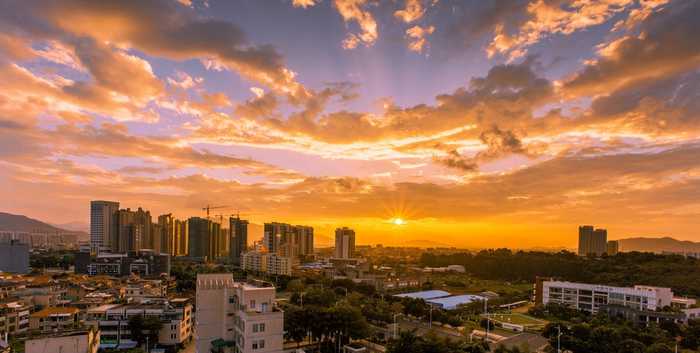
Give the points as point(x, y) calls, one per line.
point(518, 319)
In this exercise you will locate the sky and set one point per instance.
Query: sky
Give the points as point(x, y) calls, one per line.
point(477, 123)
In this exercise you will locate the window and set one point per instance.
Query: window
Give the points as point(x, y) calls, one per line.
point(252, 304)
point(258, 327)
point(259, 344)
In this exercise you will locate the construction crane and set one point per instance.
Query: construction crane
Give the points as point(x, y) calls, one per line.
point(232, 215)
point(209, 207)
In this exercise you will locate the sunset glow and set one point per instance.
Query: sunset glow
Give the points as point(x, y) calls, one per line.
point(454, 123)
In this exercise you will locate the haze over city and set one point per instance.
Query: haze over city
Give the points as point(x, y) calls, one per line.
point(426, 123)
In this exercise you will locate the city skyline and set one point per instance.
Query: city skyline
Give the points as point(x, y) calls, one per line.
point(453, 123)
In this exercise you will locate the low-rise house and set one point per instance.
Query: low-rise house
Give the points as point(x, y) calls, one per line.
point(14, 318)
point(113, 322)
point(72, 341)
point(54, 319)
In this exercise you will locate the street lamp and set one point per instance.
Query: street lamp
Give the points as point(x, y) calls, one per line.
point(559, 339)
point(395, 326)
point(431, 317)
point(486, 312)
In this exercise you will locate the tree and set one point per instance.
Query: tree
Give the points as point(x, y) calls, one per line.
point(140, 328)
point(295, 286)
point(136, 326)
point(405, 343)
point(295, 324)
point(658, 348)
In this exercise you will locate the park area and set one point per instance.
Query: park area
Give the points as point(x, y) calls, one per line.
point(528, 322)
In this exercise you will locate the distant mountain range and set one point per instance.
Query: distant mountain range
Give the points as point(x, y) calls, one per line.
point(644, 244)
point(74, 226)
point(19, 223)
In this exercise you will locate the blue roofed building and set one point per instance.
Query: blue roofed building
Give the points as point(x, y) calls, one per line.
point(425, 295)
point(450, 303)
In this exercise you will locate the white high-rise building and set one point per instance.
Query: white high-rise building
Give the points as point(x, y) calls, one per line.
point(344, 243)
point(237, 317)
point(102, 224)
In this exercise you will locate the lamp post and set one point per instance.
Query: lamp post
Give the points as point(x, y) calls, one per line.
point(430, 324)
point(395, 325)
point(559, 339)
point(486, 312)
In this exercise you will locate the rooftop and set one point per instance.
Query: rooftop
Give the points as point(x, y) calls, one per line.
point(425, 295)
point(453, 301)
point(46, 312)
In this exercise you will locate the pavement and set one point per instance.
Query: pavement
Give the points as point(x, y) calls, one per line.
point(530, 340)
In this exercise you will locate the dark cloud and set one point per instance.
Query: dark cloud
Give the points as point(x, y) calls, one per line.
point(159, 28)
point(663, 47)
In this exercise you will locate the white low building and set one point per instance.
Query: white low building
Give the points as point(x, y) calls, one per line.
point(237, 317)
point(590, 297)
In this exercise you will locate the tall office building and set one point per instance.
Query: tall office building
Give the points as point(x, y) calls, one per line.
point(204, 238)
point(613, 247)
point(344, 243)
point(133, 231)
point(181, 238)
point(305, 239)
point(103, 230)
point(237, 317)
point(167, 234)
point(238, 238)
point(592, 241)
point(129, 232)
point(288, 240)
point(144, 218)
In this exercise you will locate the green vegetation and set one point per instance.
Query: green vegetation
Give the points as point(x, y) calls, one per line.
point(624, 269)
point(409, 342)
point(584, 333)
point(51, 259)
point(518, 319)
point(142, 328)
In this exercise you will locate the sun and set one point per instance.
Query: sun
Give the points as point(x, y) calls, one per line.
point(398, 221)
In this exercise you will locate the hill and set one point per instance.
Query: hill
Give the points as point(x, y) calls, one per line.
point(658, 245)
point(19, 223)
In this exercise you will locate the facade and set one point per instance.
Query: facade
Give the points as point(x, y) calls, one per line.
point(135, 230)
point(145, 263)
point(102, 225)
point(173, 235)
point(14, 318)
point(287, 240)
point(181, 238)
point(261, 261)
point(344, 243)
point(54, 319)
point(113, 322)
point(78, 341)
point(237, 317)
point(613, 247)
point(593, 297)
point(14, 257)
point(592, 241)
point(238, 238)
point(204, 238)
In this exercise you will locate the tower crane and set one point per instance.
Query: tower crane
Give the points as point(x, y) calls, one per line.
point(209, 207)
